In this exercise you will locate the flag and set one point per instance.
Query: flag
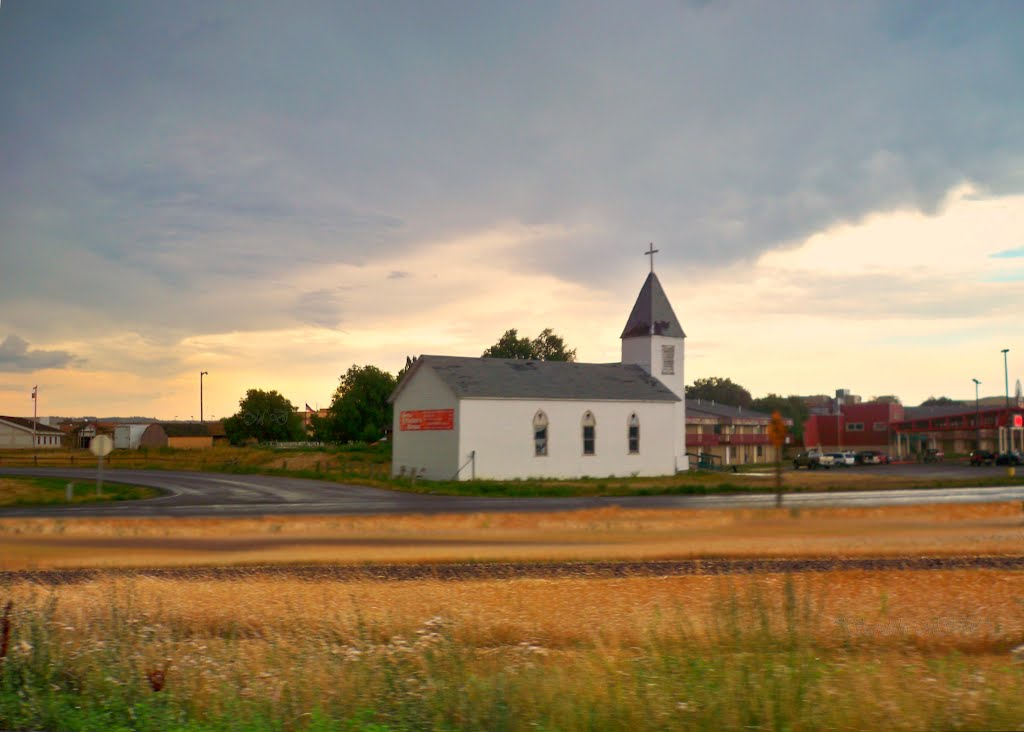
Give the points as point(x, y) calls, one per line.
point(308, 408)
point(34, 389)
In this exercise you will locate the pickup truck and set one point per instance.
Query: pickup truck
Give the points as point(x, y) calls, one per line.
point(813, 459)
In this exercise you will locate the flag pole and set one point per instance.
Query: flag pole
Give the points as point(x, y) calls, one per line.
point(35, 413)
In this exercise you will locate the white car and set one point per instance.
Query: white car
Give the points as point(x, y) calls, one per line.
point(842, 459)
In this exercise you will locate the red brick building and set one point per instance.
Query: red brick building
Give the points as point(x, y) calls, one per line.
point(860, 426)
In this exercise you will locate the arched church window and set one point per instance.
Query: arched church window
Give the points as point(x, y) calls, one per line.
point(540, 434)
point(589, 432)
point(634, 433)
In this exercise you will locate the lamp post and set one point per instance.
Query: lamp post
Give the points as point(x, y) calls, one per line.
point(35, 413)
point(977, 415)
point(201, 375)
point(1006, 374)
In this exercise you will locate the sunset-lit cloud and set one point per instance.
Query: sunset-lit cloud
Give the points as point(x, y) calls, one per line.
point(272, 196)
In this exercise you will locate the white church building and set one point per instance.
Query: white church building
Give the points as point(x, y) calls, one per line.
point(464, 418)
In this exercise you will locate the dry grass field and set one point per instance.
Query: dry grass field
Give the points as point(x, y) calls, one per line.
point(804, 651)
point(847, 650)
point(612, 533)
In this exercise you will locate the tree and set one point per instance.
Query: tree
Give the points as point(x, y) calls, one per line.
point(719, 390)
point(264, 416)
point(888, 399)
point(548, 346)
point(942, 401)
point(791, 407)
point(359, 410)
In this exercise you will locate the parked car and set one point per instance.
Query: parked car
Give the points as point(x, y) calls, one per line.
point(982, 457)
point(933, 455)
point(842, 459)
point(810, 459)
point(872, 457)
point(1013, 457)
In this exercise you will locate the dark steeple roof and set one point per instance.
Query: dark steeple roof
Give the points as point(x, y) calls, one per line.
point(652, 314)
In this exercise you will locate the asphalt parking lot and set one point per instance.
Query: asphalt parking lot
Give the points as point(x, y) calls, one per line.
point(944, 470)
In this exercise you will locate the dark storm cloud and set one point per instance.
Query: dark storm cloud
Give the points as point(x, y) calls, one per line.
point(15, 355)
point(188, 157)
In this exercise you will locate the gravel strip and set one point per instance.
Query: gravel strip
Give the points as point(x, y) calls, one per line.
point(456, 572)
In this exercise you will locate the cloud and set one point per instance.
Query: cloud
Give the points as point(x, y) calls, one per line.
point(15, 355)
point(179, 172)
point(320, 307)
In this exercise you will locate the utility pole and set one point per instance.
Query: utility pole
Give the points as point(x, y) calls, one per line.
point(35, 413)
point(201, 375)
point(1006, 374)
point(977, 415)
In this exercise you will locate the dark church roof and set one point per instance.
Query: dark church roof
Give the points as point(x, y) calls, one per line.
point(652, 314)
point(501, 378)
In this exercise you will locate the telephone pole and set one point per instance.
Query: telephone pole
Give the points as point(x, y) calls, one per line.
point(201, 375)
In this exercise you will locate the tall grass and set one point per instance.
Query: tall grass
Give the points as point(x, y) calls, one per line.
point(764, 655)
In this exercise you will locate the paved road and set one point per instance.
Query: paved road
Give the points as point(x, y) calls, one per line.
point(218, 494)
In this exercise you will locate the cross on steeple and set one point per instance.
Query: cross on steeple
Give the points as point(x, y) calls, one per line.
point(651, 252)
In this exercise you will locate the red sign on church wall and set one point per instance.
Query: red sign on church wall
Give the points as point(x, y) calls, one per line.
point(418, 420)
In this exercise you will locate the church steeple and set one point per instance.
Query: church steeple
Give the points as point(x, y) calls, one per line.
point(654, 340)
point(652, 314)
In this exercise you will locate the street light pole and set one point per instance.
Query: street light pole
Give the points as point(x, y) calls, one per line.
point(977, 415)
point(201, 375)
point(1006, 374)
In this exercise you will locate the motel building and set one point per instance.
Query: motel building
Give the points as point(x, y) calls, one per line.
point(959, 430)
point(906, 432)
point(719, 435)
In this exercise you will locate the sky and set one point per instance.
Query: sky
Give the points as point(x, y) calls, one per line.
point(273, 192)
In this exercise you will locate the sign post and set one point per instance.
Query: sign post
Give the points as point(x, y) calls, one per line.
point(100, 446)
point(777, 432)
